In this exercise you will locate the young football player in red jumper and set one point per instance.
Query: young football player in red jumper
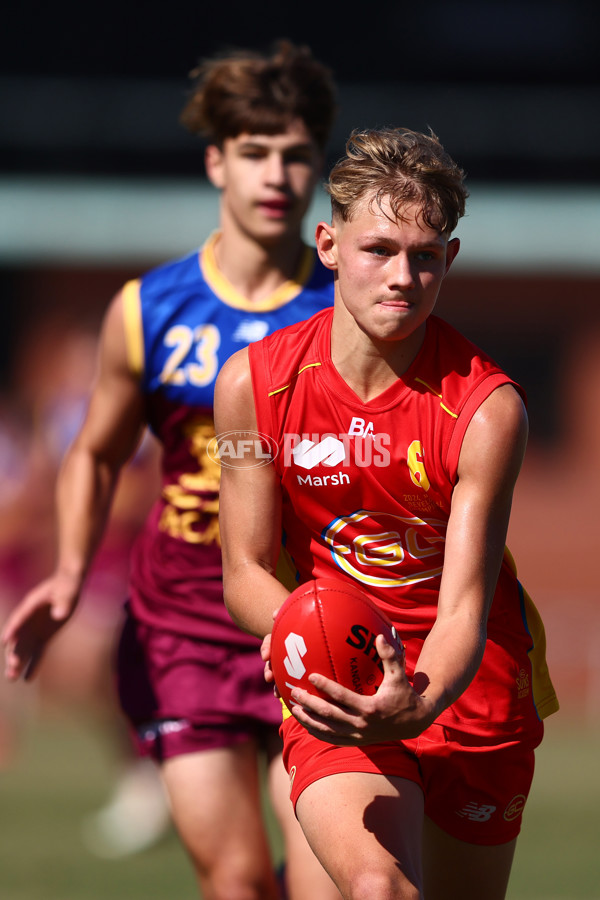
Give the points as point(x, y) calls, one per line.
point(418, 790)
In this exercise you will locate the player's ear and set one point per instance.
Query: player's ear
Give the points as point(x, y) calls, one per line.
point(214, 165)
point(452, 249)
point(325, 239)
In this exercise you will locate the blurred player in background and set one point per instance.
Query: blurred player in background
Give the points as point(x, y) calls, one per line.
point(51, 384)
point(15, 542)
point(417, 791)
point(57, 367)
point(190, 682)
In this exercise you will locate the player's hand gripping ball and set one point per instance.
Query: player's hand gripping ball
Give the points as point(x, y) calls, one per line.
point(329, 626)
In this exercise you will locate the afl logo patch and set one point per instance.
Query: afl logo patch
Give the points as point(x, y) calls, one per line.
point(515, 808)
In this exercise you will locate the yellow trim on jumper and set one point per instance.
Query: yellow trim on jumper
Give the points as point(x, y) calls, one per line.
point(544, 695)
point(299, 372)
point(232, 297)
point(442, 404)
point(134, 332)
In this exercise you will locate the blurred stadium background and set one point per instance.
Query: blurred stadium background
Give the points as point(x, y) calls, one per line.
point(99, 182)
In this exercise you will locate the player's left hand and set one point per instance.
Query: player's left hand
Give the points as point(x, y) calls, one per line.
point(394, 712)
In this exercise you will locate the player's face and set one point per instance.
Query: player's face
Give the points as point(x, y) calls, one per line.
point(267, 181)
point(388, 271)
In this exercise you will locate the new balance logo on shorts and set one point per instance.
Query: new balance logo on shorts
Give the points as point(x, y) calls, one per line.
point(151, 731)
point(476, 812)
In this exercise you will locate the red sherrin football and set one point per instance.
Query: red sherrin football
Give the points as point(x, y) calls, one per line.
point(329, 626)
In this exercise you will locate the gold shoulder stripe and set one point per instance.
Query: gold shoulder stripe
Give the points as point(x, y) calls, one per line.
point(432, 391)
point(299, 372)
point(132, 320)
point(449, 411)
point(428, 386)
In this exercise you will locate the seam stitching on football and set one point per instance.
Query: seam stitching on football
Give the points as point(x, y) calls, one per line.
point(325, 639)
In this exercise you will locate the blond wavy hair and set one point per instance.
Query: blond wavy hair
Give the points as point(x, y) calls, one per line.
point(403, 167)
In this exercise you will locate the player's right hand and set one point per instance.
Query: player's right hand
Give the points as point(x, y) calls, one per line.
point(41, 613)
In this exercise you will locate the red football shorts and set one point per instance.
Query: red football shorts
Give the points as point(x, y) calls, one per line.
point(474, 788)
point(182, 695)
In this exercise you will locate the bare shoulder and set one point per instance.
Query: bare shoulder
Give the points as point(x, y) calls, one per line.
point(113, 345)
point(496, 437)
point(234, 400)
point(235, 372)
point(115, 416)
point(113, 317)
point(504, 410)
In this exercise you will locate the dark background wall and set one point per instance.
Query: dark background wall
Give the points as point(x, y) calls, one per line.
point(512, 87)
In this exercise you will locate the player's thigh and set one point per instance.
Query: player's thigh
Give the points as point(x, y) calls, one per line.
point(306, 877)
point(456, 870)
point(215, 801)
point(366, 829)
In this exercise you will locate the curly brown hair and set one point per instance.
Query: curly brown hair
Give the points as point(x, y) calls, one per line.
point(246, 91)
point(403, 167)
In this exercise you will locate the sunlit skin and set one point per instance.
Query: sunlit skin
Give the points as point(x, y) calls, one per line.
point(388, 273)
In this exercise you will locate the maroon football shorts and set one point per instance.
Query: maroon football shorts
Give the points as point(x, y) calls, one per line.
point(475, 788)
point(182, 695)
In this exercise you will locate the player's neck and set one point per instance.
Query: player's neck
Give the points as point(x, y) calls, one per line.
point(369, 368)
point(256, 270)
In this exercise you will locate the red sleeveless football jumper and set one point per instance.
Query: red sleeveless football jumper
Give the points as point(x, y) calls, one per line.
point(366, 494)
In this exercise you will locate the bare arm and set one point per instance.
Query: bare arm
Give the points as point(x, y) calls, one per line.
point(85, 488)
point(249, 509)
point(489, 464)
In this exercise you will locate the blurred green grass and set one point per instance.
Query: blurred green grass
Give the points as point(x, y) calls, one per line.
point(63, 771)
